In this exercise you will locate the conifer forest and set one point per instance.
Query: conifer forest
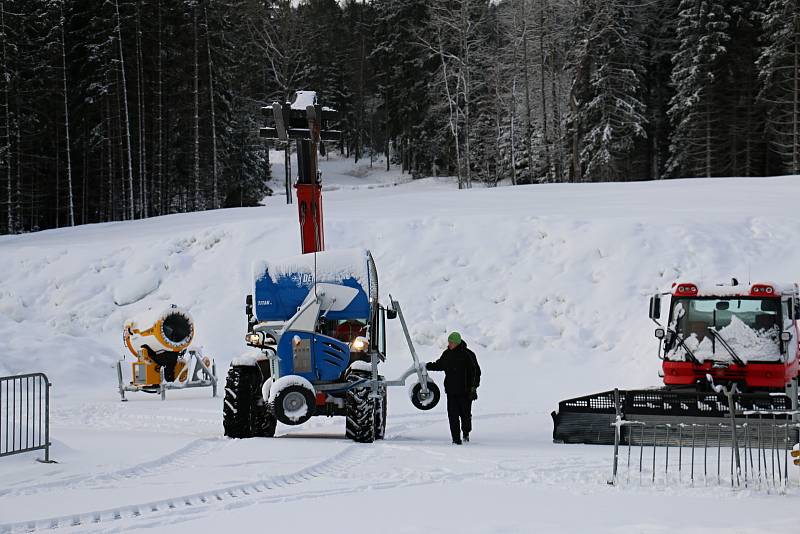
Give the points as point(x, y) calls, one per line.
point(115, 110)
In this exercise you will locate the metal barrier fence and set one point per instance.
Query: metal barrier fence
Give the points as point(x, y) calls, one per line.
point(755, 453)
point(25, 414)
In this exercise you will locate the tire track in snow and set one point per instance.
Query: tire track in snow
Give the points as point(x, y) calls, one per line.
point(247, 492)
point(350, 456)
point(169, 462)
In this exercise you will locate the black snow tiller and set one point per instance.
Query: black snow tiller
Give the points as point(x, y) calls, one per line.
point(590, 419)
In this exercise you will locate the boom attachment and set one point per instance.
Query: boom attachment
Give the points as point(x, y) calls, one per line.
point(305, 121)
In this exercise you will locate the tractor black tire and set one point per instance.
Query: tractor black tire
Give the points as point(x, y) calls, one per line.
point(380, 415)
point(360, 413)
point(239, 401)
point(262, 421)
point(279, 407)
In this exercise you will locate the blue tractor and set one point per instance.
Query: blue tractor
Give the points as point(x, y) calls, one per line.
point(321, 331)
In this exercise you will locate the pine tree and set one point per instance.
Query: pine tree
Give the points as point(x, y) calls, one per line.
point(403, 71)
point(609, 112)
point(699, 146)
point(779, 68)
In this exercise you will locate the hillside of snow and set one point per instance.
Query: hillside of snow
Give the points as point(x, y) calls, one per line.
point(548, 284)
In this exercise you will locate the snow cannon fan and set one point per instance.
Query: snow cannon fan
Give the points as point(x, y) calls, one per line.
point(161, 342)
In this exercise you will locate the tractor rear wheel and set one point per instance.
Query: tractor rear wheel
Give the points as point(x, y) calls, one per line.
point(244, 412)
point(380, 415)
point(262, 421)
point(360, 408)
point(238, 403)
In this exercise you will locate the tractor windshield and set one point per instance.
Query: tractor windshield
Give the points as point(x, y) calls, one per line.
point(749, 326)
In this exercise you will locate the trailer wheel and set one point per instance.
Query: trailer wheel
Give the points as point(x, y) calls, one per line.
point(238, 402)
point(361, 411)
point(425, 402)
point(294, 405)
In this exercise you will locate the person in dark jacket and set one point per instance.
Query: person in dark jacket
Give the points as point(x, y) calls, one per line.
point(462, 376)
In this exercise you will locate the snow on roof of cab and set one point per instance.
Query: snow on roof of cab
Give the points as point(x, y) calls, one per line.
point(331, 266)
point(705, 289)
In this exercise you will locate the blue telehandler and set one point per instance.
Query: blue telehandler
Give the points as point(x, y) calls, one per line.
point(317, 320)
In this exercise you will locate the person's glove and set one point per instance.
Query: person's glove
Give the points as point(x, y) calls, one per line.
point(473, 393)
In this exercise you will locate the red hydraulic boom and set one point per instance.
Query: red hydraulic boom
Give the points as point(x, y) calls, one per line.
point(307, 122)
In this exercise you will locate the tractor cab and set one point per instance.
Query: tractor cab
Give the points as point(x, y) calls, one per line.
point(743, 334)
point(320, 315)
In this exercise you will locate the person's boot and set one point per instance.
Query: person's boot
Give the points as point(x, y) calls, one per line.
point(466, 437)
point(457, 442)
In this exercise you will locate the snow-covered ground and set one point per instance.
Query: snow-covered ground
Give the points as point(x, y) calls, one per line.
point(548, 284)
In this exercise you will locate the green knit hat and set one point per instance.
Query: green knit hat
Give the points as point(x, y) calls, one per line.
point(454, 337)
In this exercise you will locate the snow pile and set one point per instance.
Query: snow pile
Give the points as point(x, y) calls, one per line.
point(747, 343)
point(555, 276)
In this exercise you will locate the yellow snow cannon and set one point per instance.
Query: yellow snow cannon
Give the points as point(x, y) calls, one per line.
point(160, 340)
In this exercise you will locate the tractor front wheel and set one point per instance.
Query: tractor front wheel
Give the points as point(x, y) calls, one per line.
point(294, 405)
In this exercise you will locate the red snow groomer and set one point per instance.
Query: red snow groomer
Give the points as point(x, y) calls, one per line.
point(743, 338)
point(742, 334)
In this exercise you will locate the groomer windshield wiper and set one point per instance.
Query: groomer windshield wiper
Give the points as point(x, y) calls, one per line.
point(725, 344)
point(688, 351)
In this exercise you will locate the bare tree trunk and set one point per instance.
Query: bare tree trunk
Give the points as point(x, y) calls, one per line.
point(58, 180)
point(453, 118)
point(85, 177)
point(542, 89)
point(6, 150)
point(555, 87)
point(577, 175)
point(127, 115)
point(143, 200)
point(527, 130)
point(111, 214)
point(498, 105)
point(70, 201)
point(708, 141)
point(513, 119)
point(160, 118)
point(467, 92)
point(19, 218)
point(214, 178)
point(796, 101)
point(388, 141)
point(362, 61)
point(196, 92)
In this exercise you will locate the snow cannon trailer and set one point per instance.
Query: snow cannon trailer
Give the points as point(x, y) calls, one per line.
point(321, 334)
point(743, 340)
point(161, 342)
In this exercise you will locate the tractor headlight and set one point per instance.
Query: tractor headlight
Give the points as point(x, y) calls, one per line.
point(259, 339)
point(359, 344)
